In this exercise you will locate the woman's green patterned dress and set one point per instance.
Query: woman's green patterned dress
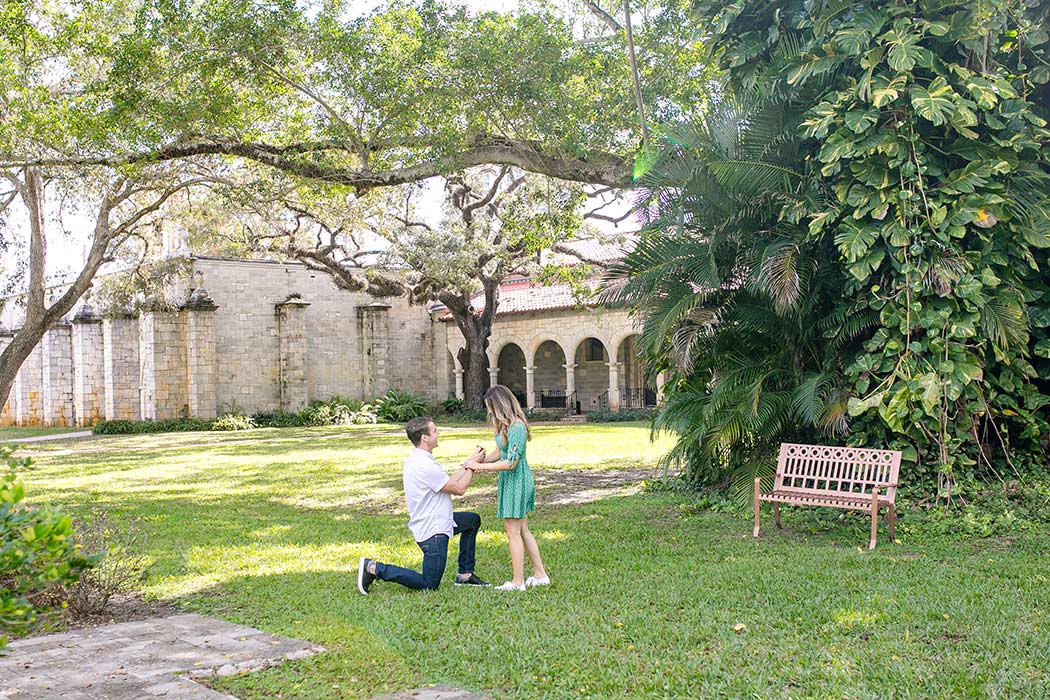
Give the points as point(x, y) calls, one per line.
point(516, 489)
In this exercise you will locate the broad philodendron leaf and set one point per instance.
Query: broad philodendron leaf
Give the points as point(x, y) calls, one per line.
point(936, 103)
point(904, 53)
point(859, 120)
point(854, 241)
point(884, 91)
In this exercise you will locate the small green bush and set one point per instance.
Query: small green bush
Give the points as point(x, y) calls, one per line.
point(398, 406)
point(139, 427)
point(623, 415)
point(277, 419)
point(122, 549)
point(452, 406)
point(232, 421)
point(37, 551)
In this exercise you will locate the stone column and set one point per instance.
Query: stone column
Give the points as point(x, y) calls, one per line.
point(57, 374)
point(460, 394)
point(120, 368)
point(493, 376)
point(373, 327)
point(530, 386)
point(7, 412)
point(661, 379)
point(162, 366)
point(29, 407)
point(201, 371)
point(614, 386)
point(570, 387)
point(291, 329)
point(89, 384)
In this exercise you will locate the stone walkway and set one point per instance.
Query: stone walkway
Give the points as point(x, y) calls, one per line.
point(56, 436)
point(156, 658)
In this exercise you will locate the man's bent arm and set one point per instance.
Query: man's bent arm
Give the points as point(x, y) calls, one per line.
point(457, 483)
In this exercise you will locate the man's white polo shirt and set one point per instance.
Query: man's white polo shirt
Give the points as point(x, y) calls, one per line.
point(429, 510)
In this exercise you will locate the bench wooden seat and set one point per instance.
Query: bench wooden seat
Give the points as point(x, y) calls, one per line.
point(835, 477)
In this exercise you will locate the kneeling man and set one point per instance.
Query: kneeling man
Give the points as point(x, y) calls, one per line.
point(428, 495)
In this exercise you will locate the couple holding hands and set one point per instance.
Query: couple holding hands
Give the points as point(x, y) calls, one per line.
point(428, 496)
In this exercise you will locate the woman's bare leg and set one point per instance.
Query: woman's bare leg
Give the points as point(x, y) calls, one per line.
point(532, 549)
point(512, 526)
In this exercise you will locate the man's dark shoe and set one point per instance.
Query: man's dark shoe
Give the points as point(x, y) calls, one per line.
point(364, 577)
point(472, 580)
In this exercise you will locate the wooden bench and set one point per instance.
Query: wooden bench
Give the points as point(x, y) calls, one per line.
point(836, 477)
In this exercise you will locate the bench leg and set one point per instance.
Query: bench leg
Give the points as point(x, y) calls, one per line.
point(758, 490)
point(776, 515)
point(893, 522)
point(874, 517)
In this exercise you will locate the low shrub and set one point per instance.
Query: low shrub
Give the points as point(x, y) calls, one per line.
point(399, 406)
point(452, 406)
point(232, 421)
point(37, 551)
point(277, 419)
point(622, 415)
point(140, 427)
point(122, 567)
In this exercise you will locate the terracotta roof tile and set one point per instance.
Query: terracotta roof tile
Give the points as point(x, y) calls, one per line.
point(522, 296)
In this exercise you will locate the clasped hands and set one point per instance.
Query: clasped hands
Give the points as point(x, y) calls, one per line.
point(472, 461)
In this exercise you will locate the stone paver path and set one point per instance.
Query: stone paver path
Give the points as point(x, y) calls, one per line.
point(156, 658)
point(56, 436)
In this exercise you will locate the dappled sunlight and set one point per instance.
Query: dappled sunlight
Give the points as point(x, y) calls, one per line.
point(208, 566)
point(552, 535)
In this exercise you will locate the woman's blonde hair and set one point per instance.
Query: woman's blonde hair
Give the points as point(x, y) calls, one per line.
point(504, 410)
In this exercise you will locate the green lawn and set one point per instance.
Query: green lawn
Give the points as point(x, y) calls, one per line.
point(648, 598)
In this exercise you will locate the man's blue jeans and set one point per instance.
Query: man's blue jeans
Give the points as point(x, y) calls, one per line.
point(435, 554)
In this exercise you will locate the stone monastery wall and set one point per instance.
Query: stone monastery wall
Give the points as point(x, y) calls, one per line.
point(265, 336)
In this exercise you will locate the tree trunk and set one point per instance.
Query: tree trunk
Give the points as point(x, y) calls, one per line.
point(39, 317)
point(476, 329)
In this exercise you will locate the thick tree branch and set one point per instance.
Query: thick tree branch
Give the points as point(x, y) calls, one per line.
point(566, 250)
point(604, 16)
point(601, 169)
point(467, 210)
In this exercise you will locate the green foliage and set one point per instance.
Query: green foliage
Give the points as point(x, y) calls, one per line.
point(123, 565)
point(623, 415)
point(37, 550)
point(233, 421)
point(134, 427)
point(399, 406)
point(452, 405)
point(922, 207)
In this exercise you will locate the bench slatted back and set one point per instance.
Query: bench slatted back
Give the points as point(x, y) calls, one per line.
point(845, 471)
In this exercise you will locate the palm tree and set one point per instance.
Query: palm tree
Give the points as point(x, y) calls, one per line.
point(737, 301)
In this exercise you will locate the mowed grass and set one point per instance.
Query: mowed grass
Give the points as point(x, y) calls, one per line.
point(649, 600)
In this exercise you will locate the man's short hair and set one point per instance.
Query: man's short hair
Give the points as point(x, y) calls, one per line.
point(417, 428)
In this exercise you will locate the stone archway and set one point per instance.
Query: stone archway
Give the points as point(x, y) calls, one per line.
point(510, 365)
point(549, 379)
point(591, 358)
point(635, 391)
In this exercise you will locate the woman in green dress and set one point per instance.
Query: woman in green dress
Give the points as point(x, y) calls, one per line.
point(516, 492)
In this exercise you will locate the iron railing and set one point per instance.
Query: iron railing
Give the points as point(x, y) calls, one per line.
point(641, 397)
point(560, 398)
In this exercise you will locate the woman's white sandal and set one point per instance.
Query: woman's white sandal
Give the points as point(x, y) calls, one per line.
point(508, 586)
point(532, 581)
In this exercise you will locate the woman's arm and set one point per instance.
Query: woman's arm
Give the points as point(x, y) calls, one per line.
point(500, 466)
